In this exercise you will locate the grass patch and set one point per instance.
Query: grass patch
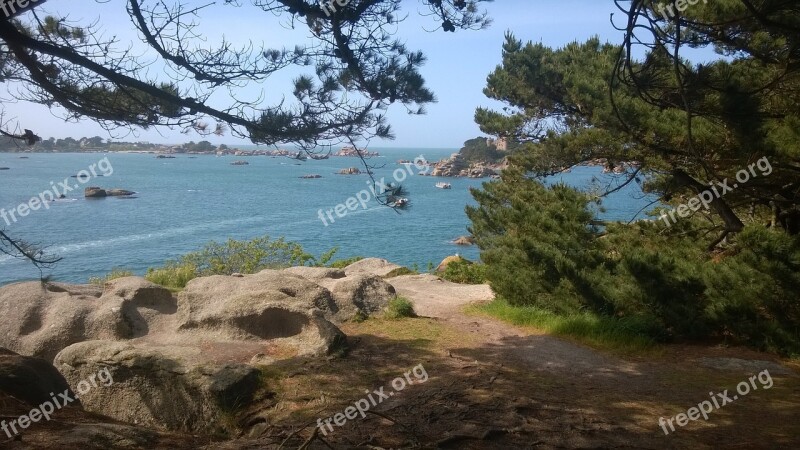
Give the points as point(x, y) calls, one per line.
point(419, 334)
point(172, 276)
point(113, 275)
point(625, 336)
point(400, 307)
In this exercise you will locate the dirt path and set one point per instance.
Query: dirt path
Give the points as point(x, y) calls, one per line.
point(434, 297)
point(610, 401)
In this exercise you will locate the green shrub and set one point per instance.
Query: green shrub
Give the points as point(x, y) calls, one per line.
point(114, 274)
point(246, 256)
point(542, 250)
point(465, 272)
point(400, 307)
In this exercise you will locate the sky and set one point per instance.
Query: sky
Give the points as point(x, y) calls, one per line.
point(456, 70)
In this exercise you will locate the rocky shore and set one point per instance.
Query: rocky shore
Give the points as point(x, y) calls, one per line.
point(457, 166)
point(179, 362)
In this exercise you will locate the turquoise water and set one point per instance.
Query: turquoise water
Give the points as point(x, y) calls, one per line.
point(185, 202)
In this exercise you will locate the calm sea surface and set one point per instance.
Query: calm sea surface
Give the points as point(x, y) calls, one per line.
point(185, 202)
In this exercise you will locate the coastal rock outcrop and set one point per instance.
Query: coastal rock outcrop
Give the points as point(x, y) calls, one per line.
point(457, 166)
point(451, 167)
point(350, 171)
point(464, 240)
point(97, 192)
point(183, 362)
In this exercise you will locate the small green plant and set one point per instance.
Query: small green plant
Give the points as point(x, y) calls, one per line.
point(114, 274)
point(465, 272)
point(400, 307)
point(172, 275)
point(360, 317)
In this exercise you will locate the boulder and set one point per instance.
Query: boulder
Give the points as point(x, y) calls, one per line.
point(350, 171)
point(94, 192)
point(165, 387)
point(32, 380)
point(268, 305)
point(374, 266)
point(360, 295)
point(464, 240)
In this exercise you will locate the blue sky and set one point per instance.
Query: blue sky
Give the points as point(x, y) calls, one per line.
point(456, 69)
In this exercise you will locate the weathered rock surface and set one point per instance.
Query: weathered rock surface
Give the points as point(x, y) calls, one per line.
point(360, 295)
point(167, 387)
point(264, 306)
point(27, 383)
point(182, 362)
point(40, 319)
point(31, 380)
point(374, 266)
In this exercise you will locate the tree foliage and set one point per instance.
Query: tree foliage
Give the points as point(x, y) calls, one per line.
point(685, 125)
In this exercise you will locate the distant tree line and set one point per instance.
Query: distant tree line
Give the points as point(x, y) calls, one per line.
point(70, 144)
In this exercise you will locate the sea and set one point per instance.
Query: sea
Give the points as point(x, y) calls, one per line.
point(183, 203)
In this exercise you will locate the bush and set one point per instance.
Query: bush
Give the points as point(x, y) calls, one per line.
point(245, 257)
point(465, 272)
point(114, 274)
point(400, 307)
